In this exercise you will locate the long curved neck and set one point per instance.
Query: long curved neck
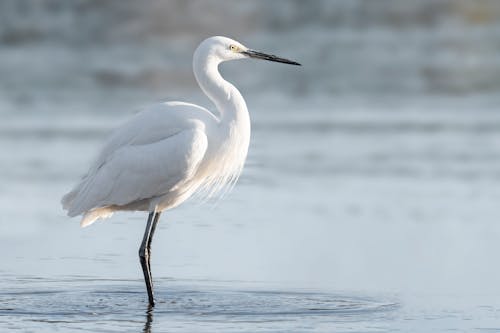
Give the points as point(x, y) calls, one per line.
point(230, 138)
point(224, 95)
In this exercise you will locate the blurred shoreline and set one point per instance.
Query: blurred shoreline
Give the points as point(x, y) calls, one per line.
point(360, 48)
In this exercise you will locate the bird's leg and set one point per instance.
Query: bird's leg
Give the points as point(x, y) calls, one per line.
point(144, 254)
point(150, 240)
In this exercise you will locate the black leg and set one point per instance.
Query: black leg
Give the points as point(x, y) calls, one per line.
point(150, 240)
point(145, 253)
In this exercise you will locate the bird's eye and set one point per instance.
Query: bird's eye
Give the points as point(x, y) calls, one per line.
point(233, 48)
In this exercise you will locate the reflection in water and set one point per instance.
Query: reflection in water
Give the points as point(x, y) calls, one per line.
point(149, 319)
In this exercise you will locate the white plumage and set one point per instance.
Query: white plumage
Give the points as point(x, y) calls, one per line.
point(164, 154)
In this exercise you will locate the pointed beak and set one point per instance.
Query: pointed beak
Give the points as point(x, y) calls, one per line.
point(269, 57)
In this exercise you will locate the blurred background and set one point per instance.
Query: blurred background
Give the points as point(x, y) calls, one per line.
point(374, 166)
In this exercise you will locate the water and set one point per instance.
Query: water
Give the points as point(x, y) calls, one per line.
point(369, 202)
point(349, 219)
point(107, 305)
point(113, 306)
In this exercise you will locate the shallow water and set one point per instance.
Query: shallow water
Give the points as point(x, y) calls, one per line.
point(183, 306)
point(350, 220)
point(113, 305)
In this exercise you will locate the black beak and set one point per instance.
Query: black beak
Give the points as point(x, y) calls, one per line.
point(269, 57)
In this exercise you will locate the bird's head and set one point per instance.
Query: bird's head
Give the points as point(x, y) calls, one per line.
point(224, 49)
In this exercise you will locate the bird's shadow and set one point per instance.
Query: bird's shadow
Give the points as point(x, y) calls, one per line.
point(149, 319)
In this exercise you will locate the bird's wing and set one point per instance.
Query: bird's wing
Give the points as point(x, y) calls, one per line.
point(140, 171)
point(155, 123)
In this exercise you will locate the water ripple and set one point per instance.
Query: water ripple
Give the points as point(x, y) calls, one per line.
point(122, 306)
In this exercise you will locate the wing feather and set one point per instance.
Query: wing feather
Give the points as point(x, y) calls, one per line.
point(135, 172)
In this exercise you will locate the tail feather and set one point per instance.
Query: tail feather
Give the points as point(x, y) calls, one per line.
point(68, 199)
point(90, 216)
point(94, 214)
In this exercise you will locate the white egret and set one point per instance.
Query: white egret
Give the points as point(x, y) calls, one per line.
point(169, 151)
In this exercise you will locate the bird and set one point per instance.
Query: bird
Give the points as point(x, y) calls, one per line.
point(171, 150)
